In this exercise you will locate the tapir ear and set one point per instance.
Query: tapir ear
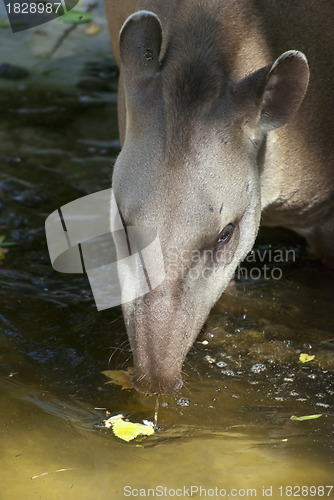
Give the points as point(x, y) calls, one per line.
point(140, 43)
point(284, 89)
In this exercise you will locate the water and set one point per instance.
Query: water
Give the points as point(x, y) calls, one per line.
point(229, 428)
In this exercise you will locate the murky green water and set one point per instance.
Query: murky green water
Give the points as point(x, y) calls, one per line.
point(230, 426)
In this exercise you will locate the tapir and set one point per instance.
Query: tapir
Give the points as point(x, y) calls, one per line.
point(221, 130)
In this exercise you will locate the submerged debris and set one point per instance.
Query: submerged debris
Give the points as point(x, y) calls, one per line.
point(120, 377)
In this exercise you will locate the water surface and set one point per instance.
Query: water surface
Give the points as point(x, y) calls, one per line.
point(230, 425)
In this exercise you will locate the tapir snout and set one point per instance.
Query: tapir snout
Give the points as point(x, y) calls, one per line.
point(203, 98)
point(159, 356)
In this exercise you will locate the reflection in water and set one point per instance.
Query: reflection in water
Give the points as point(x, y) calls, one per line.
point(156, 411)
point(230, 426)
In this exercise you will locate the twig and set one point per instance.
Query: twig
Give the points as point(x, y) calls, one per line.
point(66, 33)
point(50, 472)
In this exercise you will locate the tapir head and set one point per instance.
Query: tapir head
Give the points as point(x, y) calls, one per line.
point(190, 168)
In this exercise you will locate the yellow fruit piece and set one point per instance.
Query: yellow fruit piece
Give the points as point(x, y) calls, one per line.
point(304, 358)
point(128, 430)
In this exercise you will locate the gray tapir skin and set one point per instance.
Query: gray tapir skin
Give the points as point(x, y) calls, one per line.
point(216, 140)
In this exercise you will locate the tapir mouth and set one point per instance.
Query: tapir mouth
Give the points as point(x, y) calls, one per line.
point(156, 384)
point(160, 335)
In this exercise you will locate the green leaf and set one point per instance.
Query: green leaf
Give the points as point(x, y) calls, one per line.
point(305, 417)
point(76, 16)
point(4, 243)
point(8, 244)
point(4, 24)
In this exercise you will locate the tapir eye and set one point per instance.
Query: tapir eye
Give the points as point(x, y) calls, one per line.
point(226, 234)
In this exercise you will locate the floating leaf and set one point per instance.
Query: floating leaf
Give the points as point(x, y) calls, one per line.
point(305, 417)
point(111, 420)
point(120, 377)
point(126, 430)
point(92, 29)
point(75, 16)
point(305, 358)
